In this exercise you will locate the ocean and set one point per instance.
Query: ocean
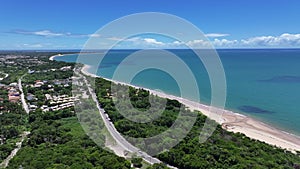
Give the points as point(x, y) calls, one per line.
point(261, 83)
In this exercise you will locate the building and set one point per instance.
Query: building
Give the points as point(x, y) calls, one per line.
point(65, 68)
point(30, 97)
point(48, 97)
point(14, 99)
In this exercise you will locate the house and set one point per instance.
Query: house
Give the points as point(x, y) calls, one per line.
point(11, 90)
point(31, 71)
point(45, 108)
point(61, 82)
point(14, 84)
point(32, 107)
point(48, 97)
point(14, 99)
point(2, 85)
point(15, 94)
point(30, 97)
point(65, 68)
point(38, 83)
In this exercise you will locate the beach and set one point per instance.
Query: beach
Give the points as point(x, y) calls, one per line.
point(52, 57)
point(232, 121)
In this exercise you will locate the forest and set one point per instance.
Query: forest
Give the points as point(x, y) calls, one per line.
point(222, 150)
point(57, 141)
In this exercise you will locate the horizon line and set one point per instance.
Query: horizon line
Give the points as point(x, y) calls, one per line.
point(87, 50)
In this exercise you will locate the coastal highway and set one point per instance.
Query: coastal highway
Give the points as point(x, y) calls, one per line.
point(116, 135)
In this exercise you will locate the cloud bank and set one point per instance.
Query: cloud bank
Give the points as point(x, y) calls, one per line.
point(285, 40)
point(218, 40)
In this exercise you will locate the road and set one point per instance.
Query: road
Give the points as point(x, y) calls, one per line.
point(6, 75)
point(25, 106)
point(116, 135)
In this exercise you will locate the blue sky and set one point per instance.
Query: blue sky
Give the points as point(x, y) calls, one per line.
point(67, 24)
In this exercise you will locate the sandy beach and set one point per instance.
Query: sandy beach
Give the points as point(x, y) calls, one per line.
point(52, 57)
point(232, 121)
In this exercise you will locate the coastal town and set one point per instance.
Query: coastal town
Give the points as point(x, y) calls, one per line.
point(37, 108)
point(149, 84)
point(22, 93)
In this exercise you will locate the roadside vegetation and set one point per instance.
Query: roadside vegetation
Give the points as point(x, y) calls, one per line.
point(222, 150)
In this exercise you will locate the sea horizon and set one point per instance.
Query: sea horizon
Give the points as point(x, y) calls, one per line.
point(116, 49)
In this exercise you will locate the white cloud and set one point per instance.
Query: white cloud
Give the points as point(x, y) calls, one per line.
point(48, 33)
point(93, 35)
point(37, 45)
point(45, 33)
point(281, 41)
point(177, 43)
point(138, 42)
point(225, 43)
point(216, 35)
point(198, 43)
point(284, 40)
point(153, 41)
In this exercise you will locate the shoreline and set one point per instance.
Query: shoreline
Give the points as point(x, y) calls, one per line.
point(52, 57)
point(230, 121)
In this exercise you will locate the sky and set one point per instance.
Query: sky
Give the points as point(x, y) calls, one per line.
point(68, 24)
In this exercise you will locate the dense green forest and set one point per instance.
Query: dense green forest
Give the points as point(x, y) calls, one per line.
point(57, 141)
point(12, 125)
point(222, 150)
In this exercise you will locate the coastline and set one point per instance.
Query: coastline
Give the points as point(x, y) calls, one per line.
point(231, 121)
point(52, 57)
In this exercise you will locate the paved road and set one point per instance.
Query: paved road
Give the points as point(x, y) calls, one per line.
point(25, 106)
point(116, 135)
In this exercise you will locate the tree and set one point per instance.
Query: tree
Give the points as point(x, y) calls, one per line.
point(137, 162)
point(158, 166)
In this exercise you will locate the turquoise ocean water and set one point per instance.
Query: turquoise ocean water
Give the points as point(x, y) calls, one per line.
point(261, 83)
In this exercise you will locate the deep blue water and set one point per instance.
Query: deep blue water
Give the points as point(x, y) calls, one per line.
point(262, 83)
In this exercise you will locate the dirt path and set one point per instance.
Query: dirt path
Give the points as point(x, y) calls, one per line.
point(5, 162)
